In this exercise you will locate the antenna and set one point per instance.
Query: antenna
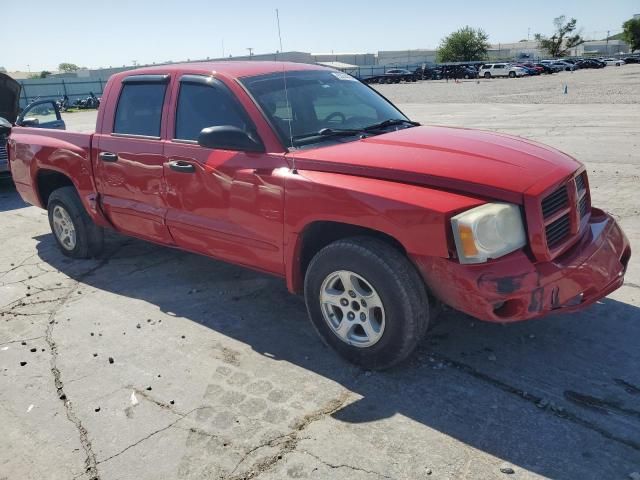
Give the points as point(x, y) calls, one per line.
point(286, 97)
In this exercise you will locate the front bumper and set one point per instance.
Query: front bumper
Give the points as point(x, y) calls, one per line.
point(516, 288)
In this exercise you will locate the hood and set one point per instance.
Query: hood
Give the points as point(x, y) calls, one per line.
point(488, 164)
point(9, 98)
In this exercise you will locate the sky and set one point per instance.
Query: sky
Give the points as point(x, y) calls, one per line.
point(40, 34)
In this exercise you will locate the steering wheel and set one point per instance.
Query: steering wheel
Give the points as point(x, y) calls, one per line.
point(333, 115)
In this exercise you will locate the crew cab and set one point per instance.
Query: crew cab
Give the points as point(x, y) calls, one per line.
point(308, 174)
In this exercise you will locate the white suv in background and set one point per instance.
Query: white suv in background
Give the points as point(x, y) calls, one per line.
point(489, 70)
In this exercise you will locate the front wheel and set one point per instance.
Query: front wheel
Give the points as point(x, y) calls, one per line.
point(487, 75)
point(74, 231)
point(512, 74)
point(367, 301)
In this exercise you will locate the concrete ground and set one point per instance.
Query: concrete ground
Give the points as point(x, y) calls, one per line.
point(150, 363)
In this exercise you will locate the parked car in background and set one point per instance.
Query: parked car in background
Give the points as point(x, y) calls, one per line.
point(530, 70)
point(631, 59)
point(397, 75)
point(375, 219)
point(539, 69)
point(546, 68)
point(489, 70)
point(590, 63)
point(555, 66)
point(458, 72)
point(428, 72)
point(615, 62)
point(566, 66)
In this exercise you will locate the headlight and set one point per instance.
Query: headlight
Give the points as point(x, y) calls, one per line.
point(488, 231)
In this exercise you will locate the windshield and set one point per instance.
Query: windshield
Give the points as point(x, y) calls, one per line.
point(318, 99)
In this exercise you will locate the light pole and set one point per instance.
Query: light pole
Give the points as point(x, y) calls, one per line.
point(250, 51)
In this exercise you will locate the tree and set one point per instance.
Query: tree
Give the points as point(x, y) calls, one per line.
point(42, 74)
point(466, 44)
point(562, 40)
point(68, 67)
point(631, 33)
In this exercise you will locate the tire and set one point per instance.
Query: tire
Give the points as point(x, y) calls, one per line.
point(65, 206)
point(387, 278)
point(487, 75)
point(512, 74)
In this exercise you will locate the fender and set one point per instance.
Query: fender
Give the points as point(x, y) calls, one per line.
point(416, 217)
point(68, 153)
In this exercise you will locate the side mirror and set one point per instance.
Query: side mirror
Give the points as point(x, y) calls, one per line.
point(226, 137)
point(29, 122)
point(5, 126)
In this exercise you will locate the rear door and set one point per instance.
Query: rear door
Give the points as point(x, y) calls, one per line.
point(41, 114)
point(129, 162)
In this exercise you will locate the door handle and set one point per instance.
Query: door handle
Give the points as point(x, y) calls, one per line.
point(108, 157)
point(181, 166)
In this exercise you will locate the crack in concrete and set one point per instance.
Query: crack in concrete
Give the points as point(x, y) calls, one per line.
point(155, 432)
point(289, 445)
point(91, 466)
point(342, 465)
point(534, 399)
point(21, 340)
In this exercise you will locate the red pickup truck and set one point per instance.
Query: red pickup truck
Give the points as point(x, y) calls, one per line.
point(308, 174)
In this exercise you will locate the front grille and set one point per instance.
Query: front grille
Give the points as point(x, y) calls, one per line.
point(563, 212)
point(580, 183)
point(555, 202)
point(583, 206)
point(4, 158)
point(558, 230)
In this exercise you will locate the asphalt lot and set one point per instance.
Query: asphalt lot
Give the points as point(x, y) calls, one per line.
point(151, 363)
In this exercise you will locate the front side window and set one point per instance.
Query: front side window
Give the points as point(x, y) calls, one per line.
point(139, 110)
point(203, 105)
point(315, 100)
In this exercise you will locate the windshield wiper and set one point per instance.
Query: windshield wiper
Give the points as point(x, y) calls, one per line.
point(389, 122)
point(330, 132)
point(347, 132)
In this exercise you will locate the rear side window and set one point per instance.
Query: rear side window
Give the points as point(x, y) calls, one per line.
point(201, 106)
point(139, 109)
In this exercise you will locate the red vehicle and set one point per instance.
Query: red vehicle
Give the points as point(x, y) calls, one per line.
point(308, 174)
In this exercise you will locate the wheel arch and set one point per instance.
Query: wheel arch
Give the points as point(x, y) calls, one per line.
point(320, 233)
point(47, 181)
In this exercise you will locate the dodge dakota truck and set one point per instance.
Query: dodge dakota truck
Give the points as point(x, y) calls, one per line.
point(308, 174)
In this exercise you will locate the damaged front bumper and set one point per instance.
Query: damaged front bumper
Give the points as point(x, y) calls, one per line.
point(516, 288)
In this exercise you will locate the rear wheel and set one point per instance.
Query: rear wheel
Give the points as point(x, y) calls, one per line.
point(367, 301)
point(74, 231)
point(512, 74)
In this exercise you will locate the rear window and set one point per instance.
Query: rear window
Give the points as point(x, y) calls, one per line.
point(139, 110)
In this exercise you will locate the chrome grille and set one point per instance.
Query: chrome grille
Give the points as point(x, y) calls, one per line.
point(555, 202)
point(558, 230)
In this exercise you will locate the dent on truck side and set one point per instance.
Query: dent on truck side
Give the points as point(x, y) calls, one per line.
point(34, 151)
point(415, 217)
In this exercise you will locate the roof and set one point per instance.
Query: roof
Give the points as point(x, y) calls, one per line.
point(229, 68)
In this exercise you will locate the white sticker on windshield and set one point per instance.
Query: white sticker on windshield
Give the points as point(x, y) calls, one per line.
point(343, 76)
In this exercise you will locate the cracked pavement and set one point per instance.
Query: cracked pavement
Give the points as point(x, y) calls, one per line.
point(151, 363)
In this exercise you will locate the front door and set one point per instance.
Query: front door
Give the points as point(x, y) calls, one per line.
point(41, 114)
point(129, 160)
point(222, 203)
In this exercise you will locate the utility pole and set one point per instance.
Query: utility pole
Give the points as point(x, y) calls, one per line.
point(608, 42)
point(223, 48)
point(528, 33)
point(250, 51)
